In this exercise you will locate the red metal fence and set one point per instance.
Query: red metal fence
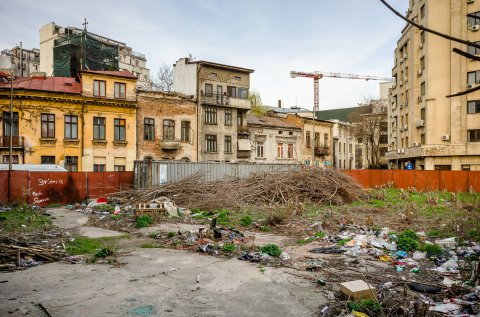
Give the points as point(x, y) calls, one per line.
point(452, 181)
point(43, 188)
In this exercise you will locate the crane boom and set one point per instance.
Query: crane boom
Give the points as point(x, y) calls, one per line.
point(316, 75)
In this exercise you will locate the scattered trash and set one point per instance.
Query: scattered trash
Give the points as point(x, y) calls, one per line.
point(332, 250)
point(424, 288)
point(358, 290)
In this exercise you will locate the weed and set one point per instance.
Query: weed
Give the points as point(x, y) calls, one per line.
point(432, 248)
point(228, 247)
point(366, 306)
point(115, 217)
point(377, 202)
point(171, 234)
point(272, 250)
point(154, 235)
point(265, 228)
point(320, 235)
point(433, 233)
point(143, 221)
point(246, 221)
point(105, 208)
point(54, 205)
point(84, 245)
point(104, 252)
point(23, 219)
point(343, 241)
point(222, 218)
point(409, 233)
point(407, 244)
point(474, 234)
point(151, 245)
point(304, 241)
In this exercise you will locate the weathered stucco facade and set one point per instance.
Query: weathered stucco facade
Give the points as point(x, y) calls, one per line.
point(55, 123)
point(426, 128)
point(275, 140)
point(166, 127)
point(317, 141)
point(221, 93)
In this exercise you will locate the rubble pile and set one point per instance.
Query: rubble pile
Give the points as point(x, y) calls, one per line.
point(428, 281)
point(17, 254)
point(272, 189)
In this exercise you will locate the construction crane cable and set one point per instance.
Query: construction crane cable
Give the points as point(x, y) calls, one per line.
point(421, 27)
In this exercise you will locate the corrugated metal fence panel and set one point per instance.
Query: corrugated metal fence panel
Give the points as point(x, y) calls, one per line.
point(157, 172)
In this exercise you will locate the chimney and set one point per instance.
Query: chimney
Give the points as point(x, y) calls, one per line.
point(279, 103)
point(39, 75)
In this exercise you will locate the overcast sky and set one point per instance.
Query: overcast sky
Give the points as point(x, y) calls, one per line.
point(271, 36)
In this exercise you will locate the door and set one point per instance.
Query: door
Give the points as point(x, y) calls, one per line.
point(6, 129)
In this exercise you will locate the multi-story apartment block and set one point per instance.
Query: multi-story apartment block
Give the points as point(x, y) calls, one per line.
point(128, 59)
point(166, 124)
point(24, 62)
point(428, 130)
point(275, 140)
point(221, 93)
point(84, 126)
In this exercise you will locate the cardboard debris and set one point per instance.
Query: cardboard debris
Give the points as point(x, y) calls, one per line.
point(358, 290)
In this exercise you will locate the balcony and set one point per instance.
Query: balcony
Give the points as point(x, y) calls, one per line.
point(18, 142)
point(218, 99)
point(243, 154)
point(244, 130)
point(170, 145)
point(321, 151)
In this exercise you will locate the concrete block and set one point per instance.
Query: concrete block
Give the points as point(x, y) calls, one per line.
point(358, 290)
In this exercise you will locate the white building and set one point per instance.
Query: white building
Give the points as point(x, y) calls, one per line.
point(29, 59)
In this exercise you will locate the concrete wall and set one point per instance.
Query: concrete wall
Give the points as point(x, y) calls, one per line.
point(185, 78)
point(47, 38)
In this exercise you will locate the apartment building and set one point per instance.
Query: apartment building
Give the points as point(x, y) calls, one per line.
point(84, 126)
point(128, 59)
point(166, 124)
point(23, 61)
point(275, 140)
point(427, 129)
point(221, 93)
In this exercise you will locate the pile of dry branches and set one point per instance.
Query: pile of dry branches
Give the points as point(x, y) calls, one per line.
point(273, 189)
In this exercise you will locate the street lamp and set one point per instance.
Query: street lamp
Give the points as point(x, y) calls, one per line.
point(313, 132)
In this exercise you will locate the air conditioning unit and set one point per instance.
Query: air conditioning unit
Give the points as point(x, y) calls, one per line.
point(405, 127)
point(470, 1)
point(420, 123)
point(403, 151)
point(420, 45)
point(475, 28)
point(401, 129)
point(419, 98)
point(445, 137)
point(419, 72)
point(470, 86)
point(405, 56)
point(415, 144)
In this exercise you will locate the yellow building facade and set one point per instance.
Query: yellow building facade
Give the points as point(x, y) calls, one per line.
point(84, 126)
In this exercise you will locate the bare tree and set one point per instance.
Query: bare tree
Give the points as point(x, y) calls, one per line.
point(257, 106)
point(163, 81)
point(369, 123)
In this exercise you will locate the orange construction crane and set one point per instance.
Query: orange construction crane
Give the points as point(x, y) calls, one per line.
point(319, 75)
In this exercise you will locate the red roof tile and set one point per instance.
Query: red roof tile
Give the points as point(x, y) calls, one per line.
point(118, 73)
point(267, 121)
point(53, 84)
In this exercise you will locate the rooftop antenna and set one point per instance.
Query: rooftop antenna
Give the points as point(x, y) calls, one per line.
point(85, 23)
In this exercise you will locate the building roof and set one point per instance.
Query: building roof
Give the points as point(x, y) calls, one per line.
point(116, 73)
point(218, 65)
point(52, 84)
point(267, 121)
point(342, 114)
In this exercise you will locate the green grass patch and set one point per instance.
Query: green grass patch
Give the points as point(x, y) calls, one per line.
point(143, 221)
point(84, 245)
point(343, 241)
point(171, 234)
point(408, 240)
point(366, 306)
point(433, 233)
point(265, 228)
point(54, 205)
point(223, 218)
point(320, 235)
point(246, 221)
point(228, 247)
point(431, 248)
point(105, 208)
point(151, 245)
point(272, 250)
point(377, 202)
point(23, 219)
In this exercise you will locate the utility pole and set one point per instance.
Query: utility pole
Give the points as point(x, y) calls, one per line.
point(10, 147)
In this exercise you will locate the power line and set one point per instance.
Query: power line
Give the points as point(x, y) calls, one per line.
point(421, 27)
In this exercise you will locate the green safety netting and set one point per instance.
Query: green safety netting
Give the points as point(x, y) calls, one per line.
point(82, 51)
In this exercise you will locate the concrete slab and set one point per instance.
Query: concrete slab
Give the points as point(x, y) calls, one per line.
point(67, 219)
point(158, 282)
point(94, 232)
